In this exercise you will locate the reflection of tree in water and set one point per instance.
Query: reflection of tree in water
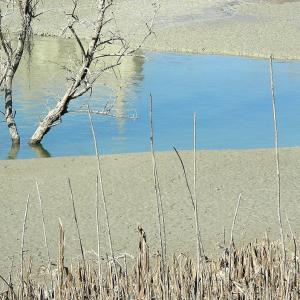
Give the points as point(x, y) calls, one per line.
point(41, 74)
point(40, 151)
point(38, 87)
point(43, 80)
point(13, 151)
point(131, 75)
point(138, 62)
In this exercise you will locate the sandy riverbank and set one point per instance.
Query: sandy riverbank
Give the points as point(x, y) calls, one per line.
point(237, 27)
point(130, 197)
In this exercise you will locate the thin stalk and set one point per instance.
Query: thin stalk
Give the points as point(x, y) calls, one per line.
point(45, 233)
point(200, 249)
point(231, 239)
point(76, 222)
point(10, 274)
point(10, 286)
point(156, 185)
point(159, 204)
point(295, 251)
point(196, 213)
point(61, 260)
point(22, 246)
point(98, 238)
point(97, 152)
point(185, 177)
point(279, 213)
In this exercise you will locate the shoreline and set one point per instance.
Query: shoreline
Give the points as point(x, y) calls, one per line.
point(195, 52)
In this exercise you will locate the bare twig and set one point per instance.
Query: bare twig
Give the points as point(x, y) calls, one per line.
point(78, 40)
point(107, 113)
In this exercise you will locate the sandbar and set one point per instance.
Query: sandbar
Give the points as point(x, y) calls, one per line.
point(256, 28)
point(130, 196)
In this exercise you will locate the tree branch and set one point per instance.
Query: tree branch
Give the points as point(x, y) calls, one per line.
point(78, 40)
point(3, 40)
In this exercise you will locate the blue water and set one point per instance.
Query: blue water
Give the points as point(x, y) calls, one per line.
point(231, 96)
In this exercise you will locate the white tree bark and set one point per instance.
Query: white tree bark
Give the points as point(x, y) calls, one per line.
point(13, 59)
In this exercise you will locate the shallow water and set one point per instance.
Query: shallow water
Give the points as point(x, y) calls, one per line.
point(231, 96)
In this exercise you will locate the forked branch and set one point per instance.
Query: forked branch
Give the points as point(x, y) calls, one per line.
point(85, 74)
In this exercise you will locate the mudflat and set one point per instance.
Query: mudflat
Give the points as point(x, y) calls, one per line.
point(255, 28)
point(129, 191)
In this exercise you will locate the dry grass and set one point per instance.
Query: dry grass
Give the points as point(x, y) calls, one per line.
point(257, 270)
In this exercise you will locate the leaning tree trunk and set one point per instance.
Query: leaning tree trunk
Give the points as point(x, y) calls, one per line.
point(9, 115)
point(55, 114)
point(48, 122)
point(80, 85)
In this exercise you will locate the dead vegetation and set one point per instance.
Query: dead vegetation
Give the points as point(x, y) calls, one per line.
point(257, 272)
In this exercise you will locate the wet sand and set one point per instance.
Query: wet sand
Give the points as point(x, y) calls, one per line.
point(130, 199)
point(255, 28)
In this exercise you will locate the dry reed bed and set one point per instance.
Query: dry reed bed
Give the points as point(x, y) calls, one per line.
point(257, 271)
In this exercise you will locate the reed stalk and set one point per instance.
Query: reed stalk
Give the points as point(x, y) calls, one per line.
point(185, 177)
point(98, 239)
point(231, 241)
point(45, 233)
point(22, 246)
point(100, 177)
point(159, 204)
point(200, 249)
point(160, 216)
point(279, 212)
point(76, 223)
point(295, 250)
point(256, 274)
point(61, 261)
point(196, 213)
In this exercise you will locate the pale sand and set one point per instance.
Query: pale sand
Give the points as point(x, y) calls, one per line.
point(236, 27)
point(131, 202)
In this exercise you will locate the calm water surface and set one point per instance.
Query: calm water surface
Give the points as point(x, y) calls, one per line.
point(230, 95)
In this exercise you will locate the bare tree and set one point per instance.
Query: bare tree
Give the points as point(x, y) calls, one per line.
point(104, 52)
point(13, 54)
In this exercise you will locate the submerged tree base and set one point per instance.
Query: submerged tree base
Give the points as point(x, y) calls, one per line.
point(257, 272)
